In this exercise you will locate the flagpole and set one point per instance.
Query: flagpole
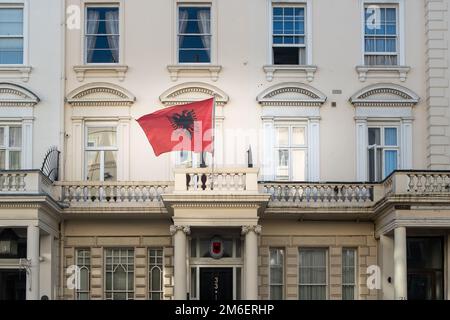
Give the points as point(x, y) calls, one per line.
point(213, 142)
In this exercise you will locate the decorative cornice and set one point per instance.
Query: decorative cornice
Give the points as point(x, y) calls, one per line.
point(293, 70)
point(256, 229)
point(173, 96)
point(211, 70)
point(215, 205)
point(175, 228)
point(90, 96)
point(314, 98)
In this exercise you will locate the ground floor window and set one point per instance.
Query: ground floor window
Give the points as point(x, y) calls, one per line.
point(83, 257)
point(155, 274)
point(276, 273)
point(119, 273)
point(312, 274)
point(348, 273)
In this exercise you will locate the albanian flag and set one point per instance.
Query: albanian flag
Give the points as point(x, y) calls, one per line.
point(181, 128)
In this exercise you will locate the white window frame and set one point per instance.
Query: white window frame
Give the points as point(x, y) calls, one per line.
point(99, 4)
point(151, 266)
point(290, 147)
point(355, 282)
point(307, 4)
point(327, 267)
point(24, 5)
point(83, 266)
point(128, 290)
point(282, 284)
point(212, 49)
point(400, 5)
point(383, 147)
point(102, 150)
point(7, 148)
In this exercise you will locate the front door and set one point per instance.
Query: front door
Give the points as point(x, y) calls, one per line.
point(216, 284)
point(425, 268)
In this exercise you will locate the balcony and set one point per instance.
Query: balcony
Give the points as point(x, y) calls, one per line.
point(231, 183)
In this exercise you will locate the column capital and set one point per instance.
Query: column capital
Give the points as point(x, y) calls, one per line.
point(256, 229)
point(175, 228)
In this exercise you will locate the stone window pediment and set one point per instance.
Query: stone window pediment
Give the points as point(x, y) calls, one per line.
point(193, 91)
point(384, 95)
point(12, 95)
point(100, 94)
point(292, 94)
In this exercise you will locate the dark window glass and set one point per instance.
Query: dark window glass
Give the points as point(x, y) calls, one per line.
point(285, 55)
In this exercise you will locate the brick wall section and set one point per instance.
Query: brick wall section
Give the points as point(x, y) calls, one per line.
point(438, 146)
point(367, 255)
point(141, 273)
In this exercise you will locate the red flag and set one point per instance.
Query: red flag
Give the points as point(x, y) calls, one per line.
point(181, 128)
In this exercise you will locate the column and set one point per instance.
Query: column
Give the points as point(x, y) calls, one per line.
point(361, 149)
point(33, 257)
point(180, 265)
point(314, 149)
point(400, 270)
point(251, 261)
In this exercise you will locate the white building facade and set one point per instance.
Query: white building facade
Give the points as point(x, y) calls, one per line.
point(332, 136)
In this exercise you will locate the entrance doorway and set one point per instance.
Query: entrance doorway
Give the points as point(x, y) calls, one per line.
point(216, 284)
point(13, 285)
point(425, 268)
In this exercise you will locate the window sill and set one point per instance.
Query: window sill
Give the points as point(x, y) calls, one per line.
point(194, 70)
point(20, 71)
point(101, 70)
point(377, 72)
point(305, 71)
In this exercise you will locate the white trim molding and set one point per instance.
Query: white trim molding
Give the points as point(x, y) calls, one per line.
point(291, 71)
point(399, 71)
point(17, 106)
point(194, 70)
point(291, 102)
point(100, 71)
point(386, 104)
point(100, 94)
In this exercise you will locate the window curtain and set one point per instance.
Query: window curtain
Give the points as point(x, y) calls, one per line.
point(92, 29)
point(313, 275)
point(183, 22)
point(390, 162)
point(112, 28)
point(204, 27)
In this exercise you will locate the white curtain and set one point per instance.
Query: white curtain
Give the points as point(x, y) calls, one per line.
point(112, 28)
point(204, 27)
point(92, 29)
point(183, 21)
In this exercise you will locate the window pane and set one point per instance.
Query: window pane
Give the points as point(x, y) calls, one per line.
point(298, 136)
point(283, 165)
point(276, 292)
point(2, 160)
point(374, 136)
point(193, 283)
point(11, 21)
point(11, 51)
point(14, 160)
point(286, 55)
point(110, 166)
point(390, 136)
point(194, 29)
point(101, 137)
point(299, 165)
point(102, 35)
point(93, 165)
point(283, 136)
point(390, 159)
point(15, 137)
point(348, 273)
point(2, 137)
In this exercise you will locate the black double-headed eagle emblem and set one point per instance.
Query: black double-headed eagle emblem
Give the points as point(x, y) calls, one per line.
point(184, 120)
